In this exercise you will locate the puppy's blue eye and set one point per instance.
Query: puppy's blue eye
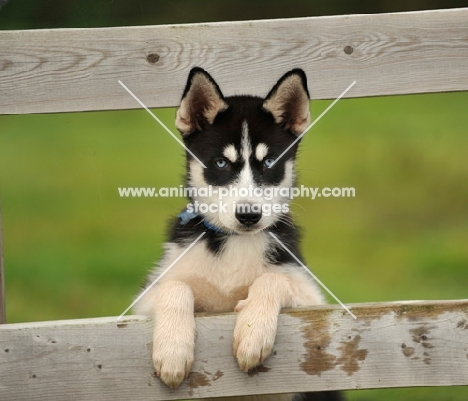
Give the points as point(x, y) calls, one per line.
point(221, 163)
point(268, 162)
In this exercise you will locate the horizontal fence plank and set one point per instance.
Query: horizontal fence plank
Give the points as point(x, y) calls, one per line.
point(63, 70)
point(389, 345)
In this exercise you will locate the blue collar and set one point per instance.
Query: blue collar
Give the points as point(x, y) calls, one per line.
point(186, 216)
point(212, 227)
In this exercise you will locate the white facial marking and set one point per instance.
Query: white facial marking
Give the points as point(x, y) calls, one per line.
point(245, 178)
point(246, 148)
point(261, 151)
point(230, 153)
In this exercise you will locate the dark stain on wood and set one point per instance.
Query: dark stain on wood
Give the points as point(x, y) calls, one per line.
point(413, 312)
point(462, 325)
point(218, 375)
point(374, 312)
point(317, 337)
point(196, 380)
point(317, 340)
point(122, 325)
point(351, 355)
point(259, 369)
point(421, 335)
point(427, 359)
point(407, 351)
point(418, 312)
point(215, 376)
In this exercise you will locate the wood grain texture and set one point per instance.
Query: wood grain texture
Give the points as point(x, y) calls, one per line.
point(389, 345)
point(61, 70)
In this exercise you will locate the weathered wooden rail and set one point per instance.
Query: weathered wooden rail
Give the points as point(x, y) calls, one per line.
point(49, 71)
point(389, 345)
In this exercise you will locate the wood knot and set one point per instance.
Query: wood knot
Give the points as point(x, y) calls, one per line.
point(348, 50)
point(152, 58)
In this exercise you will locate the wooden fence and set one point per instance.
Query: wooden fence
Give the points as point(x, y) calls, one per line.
point(389, 345)
point(49, 71)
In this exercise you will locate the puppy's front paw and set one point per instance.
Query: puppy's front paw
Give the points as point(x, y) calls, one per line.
point(172, 361)
point(254, 335)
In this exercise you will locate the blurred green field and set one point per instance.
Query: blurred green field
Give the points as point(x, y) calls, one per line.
point(74, 248)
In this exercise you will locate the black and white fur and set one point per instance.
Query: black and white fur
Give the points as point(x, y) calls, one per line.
point(238, 266)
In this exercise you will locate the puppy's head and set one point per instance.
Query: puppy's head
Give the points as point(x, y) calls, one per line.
point(239, 139)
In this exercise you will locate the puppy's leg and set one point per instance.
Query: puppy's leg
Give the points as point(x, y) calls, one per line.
point(255, 331)
point(171, 304)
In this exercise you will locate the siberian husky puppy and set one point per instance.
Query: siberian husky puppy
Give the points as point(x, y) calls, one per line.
point(236, 265)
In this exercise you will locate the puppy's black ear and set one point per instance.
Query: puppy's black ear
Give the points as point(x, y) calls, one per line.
point(288, 102)
point(201, 102)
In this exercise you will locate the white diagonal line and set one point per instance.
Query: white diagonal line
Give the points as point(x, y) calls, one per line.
point(313, 275)
point(161, 123)
point(313, 123)
point(161, 275)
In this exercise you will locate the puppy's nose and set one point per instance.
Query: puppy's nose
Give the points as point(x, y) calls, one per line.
point(248, 219)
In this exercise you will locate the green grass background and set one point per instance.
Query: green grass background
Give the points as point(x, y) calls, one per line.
point(74, 248)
